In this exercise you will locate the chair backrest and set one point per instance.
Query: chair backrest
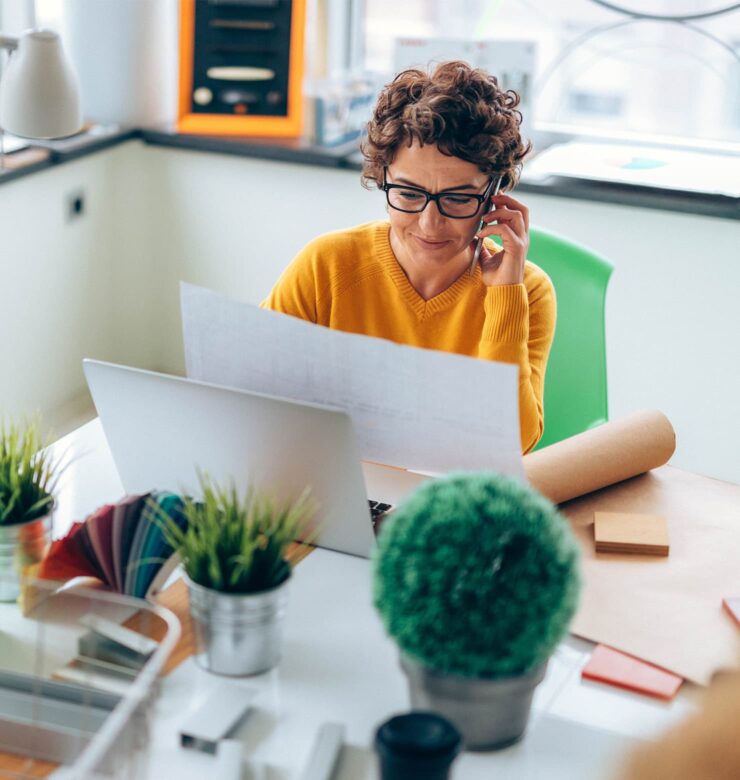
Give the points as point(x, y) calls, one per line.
point(575, 382)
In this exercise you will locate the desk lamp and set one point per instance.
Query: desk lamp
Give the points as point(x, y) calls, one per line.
point(39, 95)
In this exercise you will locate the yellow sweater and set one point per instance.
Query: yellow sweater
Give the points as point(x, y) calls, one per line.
point(351, 281)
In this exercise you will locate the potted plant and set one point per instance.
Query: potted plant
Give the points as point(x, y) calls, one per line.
point(476, 578)
point(28, 478)
point(234, 550)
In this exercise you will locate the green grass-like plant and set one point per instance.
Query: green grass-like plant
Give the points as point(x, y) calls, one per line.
point(236, 543)
point(476, 575)
point(28, 474)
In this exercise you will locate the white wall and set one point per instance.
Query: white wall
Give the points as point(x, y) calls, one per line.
point(74, 289)
point(108, 286)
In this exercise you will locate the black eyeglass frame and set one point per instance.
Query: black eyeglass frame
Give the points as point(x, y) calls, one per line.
point(435, 197)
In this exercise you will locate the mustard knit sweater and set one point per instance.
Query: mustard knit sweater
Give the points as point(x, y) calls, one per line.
point(350, 280)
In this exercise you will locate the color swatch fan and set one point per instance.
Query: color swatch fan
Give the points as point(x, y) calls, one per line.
point(121, 544)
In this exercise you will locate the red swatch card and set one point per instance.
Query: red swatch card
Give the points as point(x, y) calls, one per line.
point(66, 558)
point(614, 668)
point(732, 607)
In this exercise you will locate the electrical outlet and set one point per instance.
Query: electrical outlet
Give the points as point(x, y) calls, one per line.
point(75, 205)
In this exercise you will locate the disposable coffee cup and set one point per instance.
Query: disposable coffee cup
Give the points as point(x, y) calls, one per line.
point(417, 746)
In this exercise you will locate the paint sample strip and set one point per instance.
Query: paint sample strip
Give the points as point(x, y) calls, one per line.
point(624, 671)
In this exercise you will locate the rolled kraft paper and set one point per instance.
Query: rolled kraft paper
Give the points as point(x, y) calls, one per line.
point(599, 457)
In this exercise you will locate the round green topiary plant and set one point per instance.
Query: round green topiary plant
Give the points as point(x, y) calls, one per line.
point(476, 575)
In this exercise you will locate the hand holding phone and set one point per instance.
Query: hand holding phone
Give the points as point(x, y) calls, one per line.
point(482, 224)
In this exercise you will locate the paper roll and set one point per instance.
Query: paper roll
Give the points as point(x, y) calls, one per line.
point(617, 450)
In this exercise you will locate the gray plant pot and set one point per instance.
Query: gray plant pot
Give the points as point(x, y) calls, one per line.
point(21, 545)
point(237, 634)
point(490, 714)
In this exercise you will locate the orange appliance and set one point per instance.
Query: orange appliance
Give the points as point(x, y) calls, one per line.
point(241, 67)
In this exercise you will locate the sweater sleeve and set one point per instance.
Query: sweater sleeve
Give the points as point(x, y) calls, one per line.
point(295, 292)
point(519, 328)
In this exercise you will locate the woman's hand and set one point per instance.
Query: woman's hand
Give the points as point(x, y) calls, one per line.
point(506, 266)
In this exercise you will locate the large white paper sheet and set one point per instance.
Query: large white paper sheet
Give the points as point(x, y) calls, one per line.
point(412, 408)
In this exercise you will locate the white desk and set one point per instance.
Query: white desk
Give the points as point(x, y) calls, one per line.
point(338, 665)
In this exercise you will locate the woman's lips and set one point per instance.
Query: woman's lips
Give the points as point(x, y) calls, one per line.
point(429, 244)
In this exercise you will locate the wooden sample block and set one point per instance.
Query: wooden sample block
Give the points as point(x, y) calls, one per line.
point(624, 671)
point(619, 532)
point(732, 606)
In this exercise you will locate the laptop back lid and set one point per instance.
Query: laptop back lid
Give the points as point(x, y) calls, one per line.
point(162, 429)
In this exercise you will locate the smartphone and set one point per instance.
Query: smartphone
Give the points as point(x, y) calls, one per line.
point(482, 224)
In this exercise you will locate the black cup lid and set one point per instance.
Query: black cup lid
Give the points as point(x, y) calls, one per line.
point(419, 734)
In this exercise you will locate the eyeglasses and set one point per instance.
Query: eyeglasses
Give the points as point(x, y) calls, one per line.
point(412, 200)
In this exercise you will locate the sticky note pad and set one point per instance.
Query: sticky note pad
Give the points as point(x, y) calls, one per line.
point(614, 668)
point(619, 532)
point(732, 606)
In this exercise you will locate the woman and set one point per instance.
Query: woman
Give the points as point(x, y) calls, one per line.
point(450, 137)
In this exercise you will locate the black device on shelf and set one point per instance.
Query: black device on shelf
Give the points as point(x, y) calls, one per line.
point(241, 66)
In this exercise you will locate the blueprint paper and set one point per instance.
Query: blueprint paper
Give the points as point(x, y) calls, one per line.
point(412, 408)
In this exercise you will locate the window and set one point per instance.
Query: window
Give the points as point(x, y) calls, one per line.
point(604, 67)
point(49, 13)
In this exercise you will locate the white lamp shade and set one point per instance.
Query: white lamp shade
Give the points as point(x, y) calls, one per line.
point(39, 94)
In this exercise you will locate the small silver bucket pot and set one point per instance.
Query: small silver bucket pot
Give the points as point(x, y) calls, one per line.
point(490, 714)
point(237, 634)
point(21, 545)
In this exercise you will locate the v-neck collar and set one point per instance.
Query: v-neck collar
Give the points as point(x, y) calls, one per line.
point(422, 308)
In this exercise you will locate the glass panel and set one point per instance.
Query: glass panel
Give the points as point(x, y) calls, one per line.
point(598, 70)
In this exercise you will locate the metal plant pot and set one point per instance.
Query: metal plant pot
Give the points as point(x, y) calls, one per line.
point(237, 634)
point(21, 545)
point(490, 714)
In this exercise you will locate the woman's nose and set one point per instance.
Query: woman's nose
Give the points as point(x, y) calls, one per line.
point(430, 219)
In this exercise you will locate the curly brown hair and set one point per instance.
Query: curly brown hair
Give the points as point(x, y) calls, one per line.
point(460, 109)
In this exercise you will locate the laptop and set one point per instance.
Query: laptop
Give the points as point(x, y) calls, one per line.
point(163, 429)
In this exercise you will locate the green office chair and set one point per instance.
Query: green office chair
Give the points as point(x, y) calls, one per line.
point(575, 382)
